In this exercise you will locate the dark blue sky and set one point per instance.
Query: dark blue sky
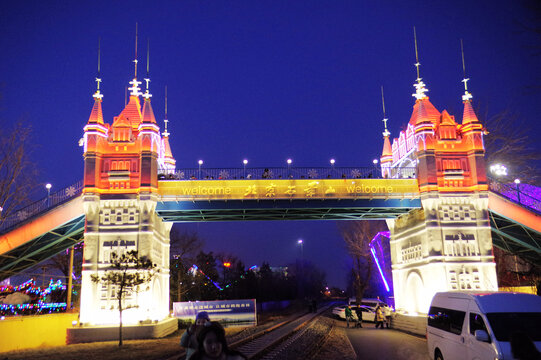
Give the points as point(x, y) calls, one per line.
point(262, 80)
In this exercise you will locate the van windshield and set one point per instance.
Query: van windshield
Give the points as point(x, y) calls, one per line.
point(505, 324)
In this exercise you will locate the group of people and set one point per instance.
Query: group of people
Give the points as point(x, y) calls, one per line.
point(205, 340)
point(381, 319)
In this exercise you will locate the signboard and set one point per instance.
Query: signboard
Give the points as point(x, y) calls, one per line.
point(232, 312)
point(288, 189)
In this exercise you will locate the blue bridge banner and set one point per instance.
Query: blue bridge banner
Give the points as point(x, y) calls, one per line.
point(231, 312)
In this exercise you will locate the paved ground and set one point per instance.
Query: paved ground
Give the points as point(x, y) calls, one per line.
point(372, 343)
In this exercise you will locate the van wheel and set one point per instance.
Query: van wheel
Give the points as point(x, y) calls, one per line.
point(438, 355)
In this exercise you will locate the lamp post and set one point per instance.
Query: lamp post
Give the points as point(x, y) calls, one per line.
point(517, 182)
point(332, 161)
point(301, 269)
point(200, 162)
point(289, 161)
point(245, 162)
point(48, 187)
point(375, 162)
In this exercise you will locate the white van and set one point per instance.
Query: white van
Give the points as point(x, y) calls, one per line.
point(478, 325)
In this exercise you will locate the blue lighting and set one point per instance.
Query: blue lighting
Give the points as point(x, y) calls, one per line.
point(379, 268)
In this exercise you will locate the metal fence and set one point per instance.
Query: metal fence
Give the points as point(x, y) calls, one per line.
point(41, 206)
point(524, 194)
point(282, 173)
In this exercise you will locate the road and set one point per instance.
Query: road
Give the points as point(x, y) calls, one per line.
point(372, 343)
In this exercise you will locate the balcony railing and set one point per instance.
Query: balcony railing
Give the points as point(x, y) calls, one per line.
point(524, 194)
point(281, 173)
point(41, 206)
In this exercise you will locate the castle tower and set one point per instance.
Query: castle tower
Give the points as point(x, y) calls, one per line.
point(446, 245)
point(120, 187)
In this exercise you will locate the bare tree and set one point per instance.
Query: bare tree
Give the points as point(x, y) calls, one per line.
point(17, 172)
point(357, 236)
point(184, 249)
point(127, 272)
point(510, 142)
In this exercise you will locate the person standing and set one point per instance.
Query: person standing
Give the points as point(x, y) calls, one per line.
point(379, 317)
point(349, 315)
point(359, 314)
point(188, 340)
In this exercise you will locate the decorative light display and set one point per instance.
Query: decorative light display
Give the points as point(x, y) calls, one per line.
point(38, 296)
point(375, 245)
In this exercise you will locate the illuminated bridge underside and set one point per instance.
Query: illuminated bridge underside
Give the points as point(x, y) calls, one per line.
point(42, 247)
point(514, 228)
point(246, 210)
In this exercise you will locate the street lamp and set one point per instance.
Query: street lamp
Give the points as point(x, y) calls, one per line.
point(375, 162)
point(301, 243)
point(200, 162)
point(48, 187)
point(289, 161)
point(245, 162)
point(517, 182)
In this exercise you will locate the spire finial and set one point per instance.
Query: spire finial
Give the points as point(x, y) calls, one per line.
point(419, 85)
point(97, 95)
point(467, 96)
point(386, 133)
point(165, 133)
point(135, 89)
point(147, 94)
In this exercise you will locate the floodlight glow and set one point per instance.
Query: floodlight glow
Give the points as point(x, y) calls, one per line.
point(375, 161)
point(300, 241)
point(200, 162)
point(245, 161)
point(517, 181)
point(48, 186)
point(498, 170)
point(333, 161)
point(289, 161)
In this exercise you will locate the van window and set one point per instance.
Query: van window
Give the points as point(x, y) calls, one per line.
point(446, 319)
point(505, 324)
point(476, 323)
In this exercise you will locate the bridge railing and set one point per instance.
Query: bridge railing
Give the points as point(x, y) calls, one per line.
point(524, 194)
point(41, 206)
point(281, 173)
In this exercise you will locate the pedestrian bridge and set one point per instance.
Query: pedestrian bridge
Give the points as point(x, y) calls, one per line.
point(52, 225)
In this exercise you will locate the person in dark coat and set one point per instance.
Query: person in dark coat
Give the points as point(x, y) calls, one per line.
point(188, 340)
point(359, 314)
point(212, 344)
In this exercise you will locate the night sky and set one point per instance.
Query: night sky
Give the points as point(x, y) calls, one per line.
point(261, 80)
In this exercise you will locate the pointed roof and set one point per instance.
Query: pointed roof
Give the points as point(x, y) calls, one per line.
point(424, 111)
point(132, 111)
point(148, 113)
point(387, 149)
point(167, 148)
point(447, 119)
point(469, 115)
point(96, 115)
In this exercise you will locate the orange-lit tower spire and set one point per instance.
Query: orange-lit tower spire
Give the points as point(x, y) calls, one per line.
point(387, 154)
point(168, 162)
point(95, 134)
point(150, 141)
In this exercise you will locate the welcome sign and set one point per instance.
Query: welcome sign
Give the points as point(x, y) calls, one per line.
point(288, 189)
